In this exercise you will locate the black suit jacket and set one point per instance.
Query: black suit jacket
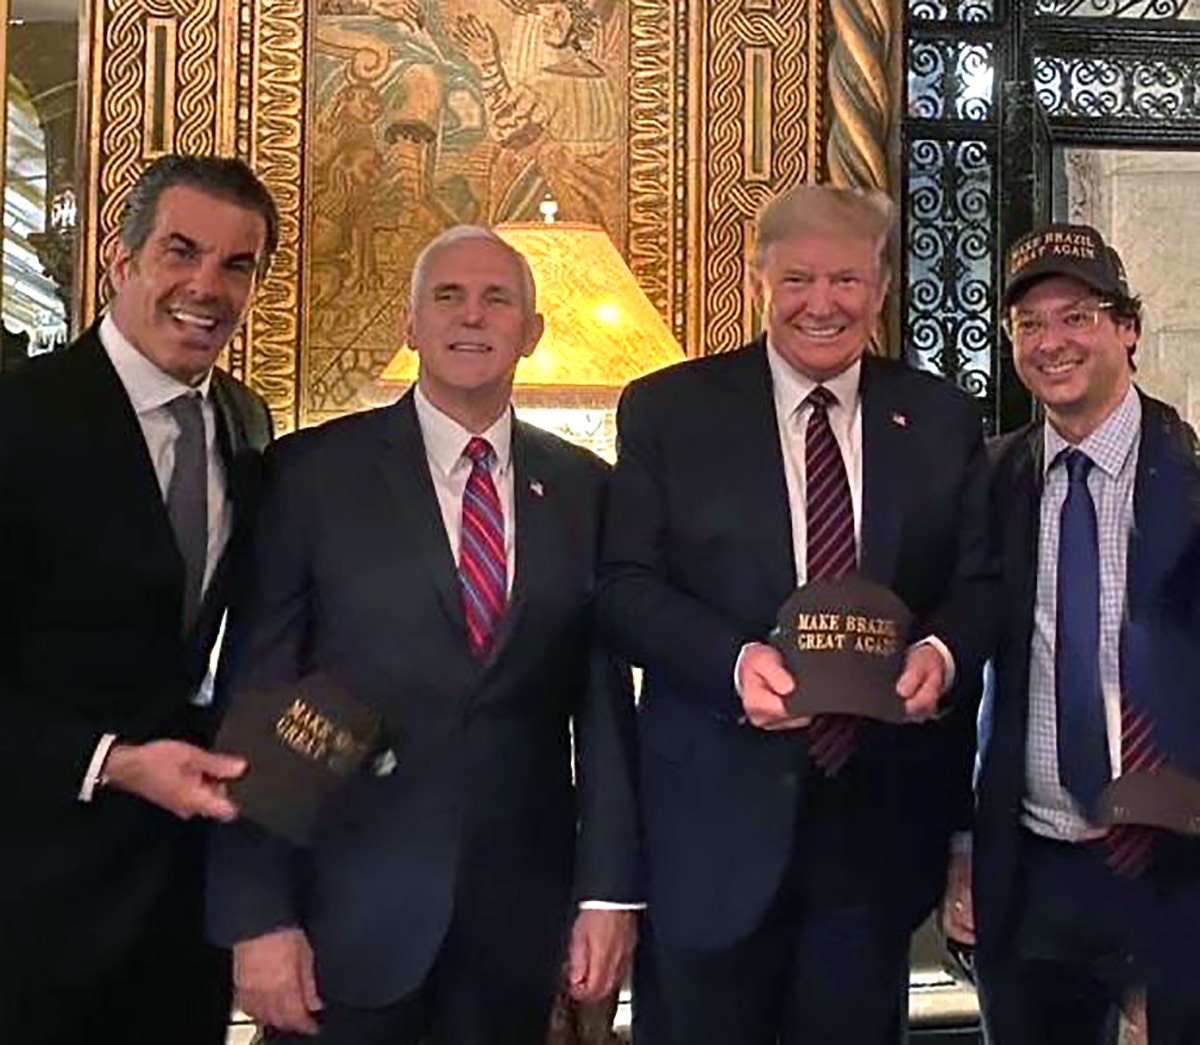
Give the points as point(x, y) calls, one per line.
point(1160, 662)
point(698, 559)
point(355, 577)
point(91, 642)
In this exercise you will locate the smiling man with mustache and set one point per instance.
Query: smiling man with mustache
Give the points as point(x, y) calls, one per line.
point(128, 469)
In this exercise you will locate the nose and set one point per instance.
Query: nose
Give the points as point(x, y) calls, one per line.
point(473, 311)
point(207, 279)
point(819, 300)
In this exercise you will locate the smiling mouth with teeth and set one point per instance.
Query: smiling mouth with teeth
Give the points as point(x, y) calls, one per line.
point(192, 320)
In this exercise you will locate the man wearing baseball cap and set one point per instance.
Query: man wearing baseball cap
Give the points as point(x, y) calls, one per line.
point(1097, 509)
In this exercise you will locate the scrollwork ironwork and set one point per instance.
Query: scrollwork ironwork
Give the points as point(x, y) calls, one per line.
point(1121, 86)
point(952, 10)
point(950, 79)
point(950, 318)
point(1146, 10)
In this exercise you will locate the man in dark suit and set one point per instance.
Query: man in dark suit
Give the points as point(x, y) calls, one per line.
point(1099, 510)
point(436, 558)
point(128, 465)
point(789, 861)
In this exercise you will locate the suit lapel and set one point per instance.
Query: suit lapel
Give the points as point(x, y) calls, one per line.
point(1023, 512)
point(756, 458)
point(534, 532)
point(885, 466)
point(405, 473)
point(1163, 509)
point(116, 439)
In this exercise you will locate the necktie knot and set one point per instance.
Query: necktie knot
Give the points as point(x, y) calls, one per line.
point(1077, 464)
point(185, 409)
point(820, 398)
point(479, 451)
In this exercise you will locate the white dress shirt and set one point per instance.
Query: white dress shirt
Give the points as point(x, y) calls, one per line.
point(445, 442)
point(150, 390)
point(792, 412)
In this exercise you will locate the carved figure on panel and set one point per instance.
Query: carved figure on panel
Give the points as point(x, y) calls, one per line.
point(430, 113)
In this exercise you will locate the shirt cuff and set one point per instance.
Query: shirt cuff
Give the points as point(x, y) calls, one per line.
point(96, 766)
point(609, 905)
point(961, 843)
point(946, 655)
point(737, 664)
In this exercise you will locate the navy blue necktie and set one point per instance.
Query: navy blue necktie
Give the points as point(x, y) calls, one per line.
point(1083, 760)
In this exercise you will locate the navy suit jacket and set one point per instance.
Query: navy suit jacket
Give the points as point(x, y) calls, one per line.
point(698, 559)
point(480, 821)
point(1160, 650)
point(91, 642)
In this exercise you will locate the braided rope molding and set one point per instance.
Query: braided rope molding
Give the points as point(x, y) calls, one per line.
point(651, 148)
point(276, 140)
point(860, 93)
point(730, 201)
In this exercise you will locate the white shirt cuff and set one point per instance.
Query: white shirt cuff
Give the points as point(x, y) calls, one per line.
point(946, 655)
point(608, 905)
point(92, 777)
point(961, 843)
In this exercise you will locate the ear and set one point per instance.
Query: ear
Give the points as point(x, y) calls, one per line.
point(754, 286)
point(120, 260)
point(408, 325)
point(533, 334)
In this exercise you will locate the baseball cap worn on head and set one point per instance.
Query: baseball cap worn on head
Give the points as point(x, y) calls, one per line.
point(1077, 251)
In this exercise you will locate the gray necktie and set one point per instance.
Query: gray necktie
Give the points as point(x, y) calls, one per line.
point(187, 500)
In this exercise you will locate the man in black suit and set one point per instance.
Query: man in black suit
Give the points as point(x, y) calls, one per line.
point(1094, 677)
point(436, 558)
point(789, 861)
point(127, 469)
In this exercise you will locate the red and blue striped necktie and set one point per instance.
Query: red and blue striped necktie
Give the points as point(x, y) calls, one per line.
point(482, 568)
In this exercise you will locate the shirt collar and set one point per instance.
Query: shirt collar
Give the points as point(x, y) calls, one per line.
point(148, 387)
point(1109, 445)
point(792, 387)
point(445, 439)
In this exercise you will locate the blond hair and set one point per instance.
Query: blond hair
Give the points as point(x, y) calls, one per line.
point(826, 210)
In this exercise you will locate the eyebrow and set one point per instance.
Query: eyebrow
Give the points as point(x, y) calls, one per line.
point(1073, 303)
point(244, 256)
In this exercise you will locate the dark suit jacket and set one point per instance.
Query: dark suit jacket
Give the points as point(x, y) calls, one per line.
point(1160, 645)
point(355, 577)
point(91, 596)
point(698, 559)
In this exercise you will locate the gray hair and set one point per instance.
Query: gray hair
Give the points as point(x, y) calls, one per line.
point(825, 210)
point(221, 176)
point(469, 233)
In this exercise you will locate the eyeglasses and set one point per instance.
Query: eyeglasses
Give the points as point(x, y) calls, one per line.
point(1028, 328)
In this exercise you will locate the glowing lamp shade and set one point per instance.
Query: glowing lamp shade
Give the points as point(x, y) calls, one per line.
point(601, 330)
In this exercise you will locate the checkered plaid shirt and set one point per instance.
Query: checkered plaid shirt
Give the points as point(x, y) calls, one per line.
point(1049, 810)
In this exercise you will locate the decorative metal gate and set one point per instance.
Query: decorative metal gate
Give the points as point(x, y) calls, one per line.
point(992, 89)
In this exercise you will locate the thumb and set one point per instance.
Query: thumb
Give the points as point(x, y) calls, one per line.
point(217, 765)
point(308, 980)
point(775, 676)
point(578, 959)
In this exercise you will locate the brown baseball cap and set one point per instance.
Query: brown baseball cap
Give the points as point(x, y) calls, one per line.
point(1078, 251)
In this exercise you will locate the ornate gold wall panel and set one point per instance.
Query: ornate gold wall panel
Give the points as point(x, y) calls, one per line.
point(756, 129)
point(670, 122)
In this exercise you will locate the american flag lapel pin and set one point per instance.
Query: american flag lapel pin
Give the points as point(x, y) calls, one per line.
point(900, 420)
point(536, 488)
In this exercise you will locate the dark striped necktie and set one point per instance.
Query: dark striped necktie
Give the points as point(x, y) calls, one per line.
point(830, 552)
point(187, 500)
